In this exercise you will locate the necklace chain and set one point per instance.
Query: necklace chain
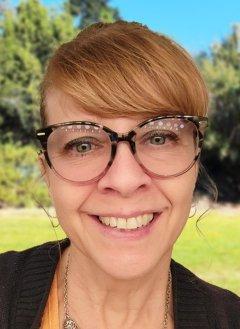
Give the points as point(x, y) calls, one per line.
point(71, 324)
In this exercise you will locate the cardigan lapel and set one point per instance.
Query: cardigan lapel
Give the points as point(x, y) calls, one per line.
point(190, 303)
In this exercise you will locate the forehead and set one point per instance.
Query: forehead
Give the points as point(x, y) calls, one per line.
point(62, 108)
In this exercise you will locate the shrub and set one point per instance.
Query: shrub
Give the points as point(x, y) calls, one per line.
point(20, 179)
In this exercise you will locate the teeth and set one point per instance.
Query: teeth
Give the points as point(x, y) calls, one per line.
point(121, 223)
point(113, 222)
point(139, 221)
point(127, 223)
point(132, 223)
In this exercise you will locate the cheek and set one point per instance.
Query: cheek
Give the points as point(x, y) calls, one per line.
point(179, 194)
point(67, 198)
point(179, 190)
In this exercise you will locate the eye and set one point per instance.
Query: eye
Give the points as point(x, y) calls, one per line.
point(160, 137)
point(82, 146)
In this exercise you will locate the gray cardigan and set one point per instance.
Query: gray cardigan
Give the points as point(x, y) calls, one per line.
point(26, 278)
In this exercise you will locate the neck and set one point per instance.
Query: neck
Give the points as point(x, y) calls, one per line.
point(94, 296)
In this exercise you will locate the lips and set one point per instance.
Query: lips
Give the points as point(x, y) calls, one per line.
point(119, 234)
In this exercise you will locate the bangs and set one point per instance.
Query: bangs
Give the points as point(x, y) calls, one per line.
point(124, 69)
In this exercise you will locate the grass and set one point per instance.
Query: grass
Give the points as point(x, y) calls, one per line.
point(212, 255)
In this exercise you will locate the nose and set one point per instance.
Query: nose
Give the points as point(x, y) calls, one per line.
point(125, 176)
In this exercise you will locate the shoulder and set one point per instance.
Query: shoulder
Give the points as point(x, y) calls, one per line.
point(12, 263)
point(21, 273)
point(223, 304)
point(205, 287)
point(11, 260)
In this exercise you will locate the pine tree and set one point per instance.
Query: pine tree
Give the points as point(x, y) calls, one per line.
point(28, 37)
point(222, 72)
point(92, 11)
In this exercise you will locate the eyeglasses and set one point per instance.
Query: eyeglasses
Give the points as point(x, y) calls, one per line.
point(82, 151)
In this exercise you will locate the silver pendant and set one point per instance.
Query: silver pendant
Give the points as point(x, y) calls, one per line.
point(70, 324)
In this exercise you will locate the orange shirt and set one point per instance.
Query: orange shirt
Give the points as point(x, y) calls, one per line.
point(50, 318)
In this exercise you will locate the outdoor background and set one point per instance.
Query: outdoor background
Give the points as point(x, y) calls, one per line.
point(30, 30)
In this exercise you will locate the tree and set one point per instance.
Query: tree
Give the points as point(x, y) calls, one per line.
point(28, 37)
point(222, 157)
point(92, 11)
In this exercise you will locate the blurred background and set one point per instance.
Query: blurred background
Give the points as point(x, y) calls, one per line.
point(30, 30)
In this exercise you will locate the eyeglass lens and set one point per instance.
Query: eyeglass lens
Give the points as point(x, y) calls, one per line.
point(81, 152)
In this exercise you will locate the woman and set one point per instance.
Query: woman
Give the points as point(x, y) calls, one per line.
point(124, 114)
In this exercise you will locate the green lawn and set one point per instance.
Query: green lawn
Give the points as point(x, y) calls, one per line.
point(215, 257)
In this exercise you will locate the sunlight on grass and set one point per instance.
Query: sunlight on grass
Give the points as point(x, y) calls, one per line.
point(26, 228)
point(213, 255)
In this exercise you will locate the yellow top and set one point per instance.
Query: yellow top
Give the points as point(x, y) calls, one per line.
point(50, 318)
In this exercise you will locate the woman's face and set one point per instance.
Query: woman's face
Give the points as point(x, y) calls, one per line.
point(124, 191)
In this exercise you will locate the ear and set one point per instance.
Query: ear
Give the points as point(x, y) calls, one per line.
point(197, 168)
point(43, 169)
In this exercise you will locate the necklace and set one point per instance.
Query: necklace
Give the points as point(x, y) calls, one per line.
point(71, 324)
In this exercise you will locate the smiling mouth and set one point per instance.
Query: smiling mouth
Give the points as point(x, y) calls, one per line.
point(127, 224)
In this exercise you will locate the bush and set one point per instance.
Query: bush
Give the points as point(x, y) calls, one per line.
point(20, 179)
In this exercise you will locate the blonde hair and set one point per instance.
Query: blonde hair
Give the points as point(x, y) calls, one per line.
point(124, 69)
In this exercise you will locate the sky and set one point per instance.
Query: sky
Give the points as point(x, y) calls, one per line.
point(196, 25)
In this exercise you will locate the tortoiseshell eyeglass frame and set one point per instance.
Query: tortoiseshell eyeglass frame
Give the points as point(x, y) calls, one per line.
point(43, 134)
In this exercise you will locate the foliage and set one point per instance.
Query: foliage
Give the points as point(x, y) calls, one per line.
point(222, 73)
point(92, 11)
point(20, 182)
point(29, 34)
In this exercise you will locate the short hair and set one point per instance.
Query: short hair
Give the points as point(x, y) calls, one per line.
point(124, 69)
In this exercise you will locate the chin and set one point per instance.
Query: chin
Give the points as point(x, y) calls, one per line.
point(127, 267)
point(121, 273)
